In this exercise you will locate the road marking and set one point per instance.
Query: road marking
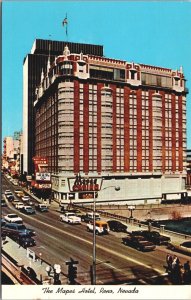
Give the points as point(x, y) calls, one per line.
point(42, 247)
point(100, 247)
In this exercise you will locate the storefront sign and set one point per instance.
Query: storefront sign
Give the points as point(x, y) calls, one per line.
point(85, 184)
point(38, 160)
point(42, 176)
point(44, 186)
point(31, 254)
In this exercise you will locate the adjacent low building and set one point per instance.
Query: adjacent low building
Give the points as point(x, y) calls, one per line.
point(111, 129)
point(12, 153)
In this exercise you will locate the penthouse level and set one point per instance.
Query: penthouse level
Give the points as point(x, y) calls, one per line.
point(101, 68)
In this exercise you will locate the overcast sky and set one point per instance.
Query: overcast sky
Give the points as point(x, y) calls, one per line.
point(156, 33)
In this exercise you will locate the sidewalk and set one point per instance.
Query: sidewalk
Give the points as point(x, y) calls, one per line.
point(173, 235)
point(39, 266)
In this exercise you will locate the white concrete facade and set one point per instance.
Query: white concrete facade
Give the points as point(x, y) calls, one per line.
point(134, 190)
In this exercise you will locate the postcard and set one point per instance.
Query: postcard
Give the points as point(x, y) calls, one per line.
point(96, 150)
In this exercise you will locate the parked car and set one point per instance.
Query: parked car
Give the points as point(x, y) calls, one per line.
point(17, 191)
point(138, 242)
point(13, 218)
point(30, 202)
point(20, 194)
point(184, 247)
point(64, 210)
point(15, 182)
point(101, 227)
point(41, 207)
point(10, 197)
point(25, 198)
point(3, 203)
point(19, 205)
point(24, 241)
point(3, 235)
point(153, 236)
point(15, 202)
point(11, 229)
point(7, 192)
point(3, 222)
point(115, 225)
point(29, 210)
point(70, 218)
point(88, 217)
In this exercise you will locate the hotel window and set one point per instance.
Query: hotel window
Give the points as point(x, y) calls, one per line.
point(133, 74)
point(119, 74)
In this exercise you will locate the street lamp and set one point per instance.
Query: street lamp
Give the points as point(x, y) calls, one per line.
point(117, 188)
point(131, 209)
point(90, 186)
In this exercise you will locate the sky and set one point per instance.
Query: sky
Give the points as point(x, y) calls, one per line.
point(155, 33)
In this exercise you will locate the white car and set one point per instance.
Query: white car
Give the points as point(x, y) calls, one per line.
point(15, 202)
point(7, 192)
point(25, 198)
point(70, 218)
point(19, 205)
point(15, 182)
point(101, 227)
point(17, 191)
point(13, 218)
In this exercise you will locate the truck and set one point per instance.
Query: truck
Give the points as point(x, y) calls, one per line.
point(101, 227)
point(70, 218)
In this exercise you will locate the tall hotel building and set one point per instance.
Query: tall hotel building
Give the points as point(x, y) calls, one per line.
point(115, 124)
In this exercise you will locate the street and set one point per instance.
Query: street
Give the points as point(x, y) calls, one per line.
point(58, 242)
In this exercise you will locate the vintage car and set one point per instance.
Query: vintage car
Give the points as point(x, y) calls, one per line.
point(184, 247)
point(101, 227)
point(138, 242)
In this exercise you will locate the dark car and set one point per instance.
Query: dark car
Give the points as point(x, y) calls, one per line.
point(11, 229)
point(3, 235)
point(42, 207)
point(24, 241)
point(153, 236)
point(184, 247)
point(88, 217)
point(29, 210)
point(3, 222)
point(139, 243)
point(10, 197)
point(76, 211)
point(3, 203)
point(117, 226)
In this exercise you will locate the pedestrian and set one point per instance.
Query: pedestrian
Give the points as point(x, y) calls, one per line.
point(187, 266)
point(57, 271)
point(187, 273)
point(49, 270)
point(32, 274)
point(169, 261)
point(175, 261)
point(176, 271)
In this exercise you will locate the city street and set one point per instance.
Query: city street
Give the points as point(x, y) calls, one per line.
point(58, 242)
